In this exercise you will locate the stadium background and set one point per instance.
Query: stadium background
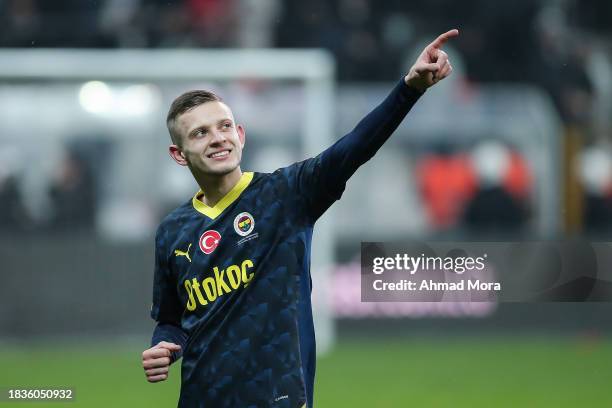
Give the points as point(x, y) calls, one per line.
point(515, 145)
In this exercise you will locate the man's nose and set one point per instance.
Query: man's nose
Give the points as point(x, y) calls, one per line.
point(218, 137)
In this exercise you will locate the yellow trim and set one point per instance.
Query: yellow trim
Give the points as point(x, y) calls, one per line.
point(229, 198)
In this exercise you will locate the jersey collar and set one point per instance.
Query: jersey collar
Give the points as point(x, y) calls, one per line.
point(229, 198)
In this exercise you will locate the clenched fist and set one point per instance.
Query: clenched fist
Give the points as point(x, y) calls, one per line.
point(156, 360)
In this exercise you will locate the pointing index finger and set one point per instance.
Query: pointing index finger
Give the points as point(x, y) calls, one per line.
point(443, 38)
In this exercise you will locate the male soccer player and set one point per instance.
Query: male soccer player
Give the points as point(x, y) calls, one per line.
point(232, 280)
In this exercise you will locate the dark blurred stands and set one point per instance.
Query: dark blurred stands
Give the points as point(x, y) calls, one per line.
point(547, 43)
point(370, 39)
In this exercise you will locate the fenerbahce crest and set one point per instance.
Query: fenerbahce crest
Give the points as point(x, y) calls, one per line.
point(244, 224)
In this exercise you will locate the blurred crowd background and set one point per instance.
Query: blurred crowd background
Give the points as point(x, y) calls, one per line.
point(560, 47)
point(515, 145)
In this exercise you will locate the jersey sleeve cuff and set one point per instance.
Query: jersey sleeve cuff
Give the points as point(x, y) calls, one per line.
point(410, 92)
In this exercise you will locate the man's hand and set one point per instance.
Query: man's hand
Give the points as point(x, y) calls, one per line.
point(156, 360)
point(432, 65)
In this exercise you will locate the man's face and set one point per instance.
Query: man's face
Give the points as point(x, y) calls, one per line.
point(211, 141)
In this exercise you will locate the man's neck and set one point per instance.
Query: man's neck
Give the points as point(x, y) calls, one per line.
point(217, 187)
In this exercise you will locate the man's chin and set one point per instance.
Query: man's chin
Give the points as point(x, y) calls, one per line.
point(220, 170)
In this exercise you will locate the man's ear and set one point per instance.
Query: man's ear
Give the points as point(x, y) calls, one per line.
point(177, 155)
point(241, 134)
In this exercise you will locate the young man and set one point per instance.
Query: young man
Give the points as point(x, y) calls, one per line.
point(232, 267)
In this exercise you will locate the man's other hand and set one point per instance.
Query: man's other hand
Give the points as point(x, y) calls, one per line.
point(156, 360)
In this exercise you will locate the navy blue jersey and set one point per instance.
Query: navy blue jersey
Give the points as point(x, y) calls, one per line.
point(232, 282)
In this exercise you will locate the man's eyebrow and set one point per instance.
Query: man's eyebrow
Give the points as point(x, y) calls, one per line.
point(219, 122)
point(198, 128)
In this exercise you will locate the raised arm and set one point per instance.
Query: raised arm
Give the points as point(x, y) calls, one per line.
point(322, 179)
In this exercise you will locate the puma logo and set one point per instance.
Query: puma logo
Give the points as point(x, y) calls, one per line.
point(178, 252)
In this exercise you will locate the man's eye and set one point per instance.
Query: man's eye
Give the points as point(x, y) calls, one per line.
point(200, 132)
point(227, 125)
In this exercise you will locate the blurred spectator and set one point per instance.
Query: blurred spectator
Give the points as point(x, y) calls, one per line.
point(595, 173)
point(446, 181)
point(13, 215)
point(494, 209)
point(73, 195)
point(517, 180)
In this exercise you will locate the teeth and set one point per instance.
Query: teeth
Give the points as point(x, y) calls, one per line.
point(219, 154)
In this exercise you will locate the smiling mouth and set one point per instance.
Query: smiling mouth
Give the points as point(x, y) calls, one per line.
point(222, 153)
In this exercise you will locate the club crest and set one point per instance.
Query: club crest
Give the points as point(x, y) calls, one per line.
point(244, 223)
